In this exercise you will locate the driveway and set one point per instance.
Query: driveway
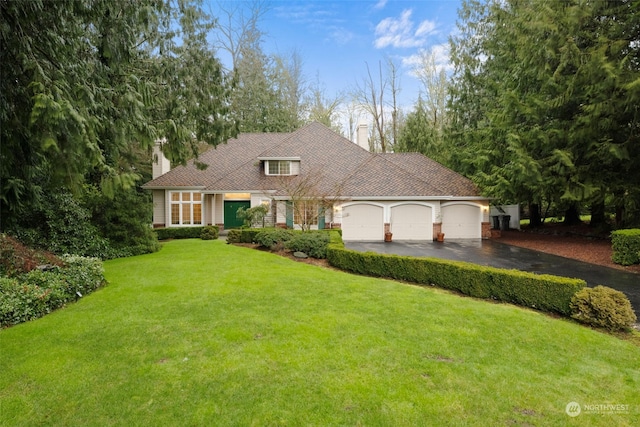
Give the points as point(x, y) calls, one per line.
point(501, 255)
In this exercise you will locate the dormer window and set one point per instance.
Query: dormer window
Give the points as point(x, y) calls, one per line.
point(279, 166)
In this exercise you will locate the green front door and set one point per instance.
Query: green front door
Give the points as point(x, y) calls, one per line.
point(230, 209)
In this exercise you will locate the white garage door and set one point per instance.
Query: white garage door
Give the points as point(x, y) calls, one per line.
point(461, 222)
point(411, 222)
point(363, 222)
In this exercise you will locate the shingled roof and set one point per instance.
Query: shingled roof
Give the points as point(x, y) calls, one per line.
point(236, 167)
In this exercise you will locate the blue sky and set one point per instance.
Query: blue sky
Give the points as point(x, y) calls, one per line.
point(337, 38)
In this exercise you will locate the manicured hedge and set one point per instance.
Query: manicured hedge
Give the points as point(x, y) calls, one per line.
point(183, 232)
point(243, 235)
point(626, 246)
point(542, 292)
point(37, 293)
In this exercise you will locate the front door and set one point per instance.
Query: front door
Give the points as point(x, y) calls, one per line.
point(230, 209)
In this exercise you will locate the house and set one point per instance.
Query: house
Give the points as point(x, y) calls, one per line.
point(341, 184)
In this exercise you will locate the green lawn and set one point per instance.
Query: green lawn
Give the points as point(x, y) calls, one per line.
point(204, 333)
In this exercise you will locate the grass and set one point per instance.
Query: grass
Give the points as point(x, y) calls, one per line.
point(204, 333)
point(555, 220)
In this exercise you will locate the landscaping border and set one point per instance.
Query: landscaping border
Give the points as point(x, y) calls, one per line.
point(539, 291)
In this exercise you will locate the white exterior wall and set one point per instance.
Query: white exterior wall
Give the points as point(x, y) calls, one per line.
point(218, 209)
point(159, 210)
point(258, 198)
point(207, 209)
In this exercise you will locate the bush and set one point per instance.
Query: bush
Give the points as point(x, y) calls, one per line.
point(90, 224)
point(271, 237)
point(37, 293)
point(244, 235)
point(124, 220)
point(253, 216)
point(626, 246)
point(312, 243)
point(234, 236)
point(210, 232)
point(542, 292)
point(603, 307)
point(179, 233)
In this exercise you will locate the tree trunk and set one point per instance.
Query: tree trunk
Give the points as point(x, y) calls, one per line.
point(572, 215)
point(598, 215)
point(535, 219)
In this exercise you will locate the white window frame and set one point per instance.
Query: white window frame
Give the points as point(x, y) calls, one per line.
point(278, 170)
point(181, 203)
point(311, 212)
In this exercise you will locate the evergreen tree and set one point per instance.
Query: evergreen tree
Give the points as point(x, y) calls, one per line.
point(542, 100)
point(87, 86)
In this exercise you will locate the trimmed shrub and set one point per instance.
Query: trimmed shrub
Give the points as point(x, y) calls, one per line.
point(271, 237)
point(626, 246)
point(38, 293)
point(248, 235)
point(603, 307)
point(234, 236)
point(179, 233)
point(210, 232)
point(311, 243)
point(542, 292)
point(243, 235)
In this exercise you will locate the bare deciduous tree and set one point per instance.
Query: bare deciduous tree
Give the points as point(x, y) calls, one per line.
point(434, 88)
point(371, 97)
point(323, 109)
point(237, 28)
point(308, 195)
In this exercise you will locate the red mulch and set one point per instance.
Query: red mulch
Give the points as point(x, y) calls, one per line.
point(575, 242)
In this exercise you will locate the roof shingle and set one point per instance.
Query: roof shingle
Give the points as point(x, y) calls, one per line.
point(235, 167)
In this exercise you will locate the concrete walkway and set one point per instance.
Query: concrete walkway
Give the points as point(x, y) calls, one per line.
point(501, 255)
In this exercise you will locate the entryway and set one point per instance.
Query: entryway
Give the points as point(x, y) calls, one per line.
point(231, 209)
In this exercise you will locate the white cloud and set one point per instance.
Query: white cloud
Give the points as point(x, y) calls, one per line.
point(440, 53)
point(399, 32)
point(426, 28)
point(340, 35)
point(381, 4)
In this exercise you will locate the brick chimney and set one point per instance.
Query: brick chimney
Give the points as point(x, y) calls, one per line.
point(161, 164)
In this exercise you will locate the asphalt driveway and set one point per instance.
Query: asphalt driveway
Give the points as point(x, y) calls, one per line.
point(501, 255)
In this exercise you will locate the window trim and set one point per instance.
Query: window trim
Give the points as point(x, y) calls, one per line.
point(294, 165)
point(181, 204)
point(311, 209)
point(280, 163)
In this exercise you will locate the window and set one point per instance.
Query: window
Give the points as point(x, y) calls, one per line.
point(305, 213)
point(279, 167)
point(186, 208)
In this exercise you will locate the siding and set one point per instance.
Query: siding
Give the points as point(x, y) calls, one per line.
point(159, 215)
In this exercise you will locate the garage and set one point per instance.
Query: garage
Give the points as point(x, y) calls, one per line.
point(363, 222)
point(461, 221)
point(411, 222)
